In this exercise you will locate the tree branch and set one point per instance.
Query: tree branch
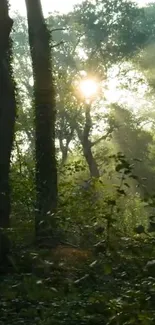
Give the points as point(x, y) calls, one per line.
point(57, 29)
point(77, 43)
point(57, 44)
point(104, 137)
point(79, 133)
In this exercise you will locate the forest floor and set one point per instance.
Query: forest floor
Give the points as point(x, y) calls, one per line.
point(115, 288)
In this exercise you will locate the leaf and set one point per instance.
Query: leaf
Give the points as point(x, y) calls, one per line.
point(127, 172)
point(137, 159)
point(93, 263)
point(134, 177)
point(107, 269)
point(99, 230)
point(41, 222)
point(140, 229)
point(120, 155)
point(150, 263)
point(16, 285)
point(39, 282)
point(112, 156)
point(122, 192)
point(54, 289)
point(48, 262)
point(119, 167)
point(127, 185)
point(125, 164)
point(81, 279)
point(111, 202)
point(151, 205)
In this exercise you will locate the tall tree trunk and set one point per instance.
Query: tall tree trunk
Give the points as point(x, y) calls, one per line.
point(7, 117)
point(86, 143)
point(45, 114)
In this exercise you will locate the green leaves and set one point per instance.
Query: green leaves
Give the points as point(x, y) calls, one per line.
point(123, 165)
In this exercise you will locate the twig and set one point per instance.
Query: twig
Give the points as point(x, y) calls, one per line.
point(57, 29)
point(58, 44)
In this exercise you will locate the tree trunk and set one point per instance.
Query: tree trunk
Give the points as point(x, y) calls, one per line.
point(45, 114)
point(86, 143)
point(7, 118)
point(92, 164)
point(64, 152)
point(64, 147)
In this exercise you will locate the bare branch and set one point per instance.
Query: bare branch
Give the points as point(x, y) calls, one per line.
point(104, 137)
point(77, 43)
point(57, 44)
point(57, 29)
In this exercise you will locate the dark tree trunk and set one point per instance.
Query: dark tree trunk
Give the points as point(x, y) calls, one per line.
point(92, 164)
point(7, 118)
point(87, 145)
point(45, 114)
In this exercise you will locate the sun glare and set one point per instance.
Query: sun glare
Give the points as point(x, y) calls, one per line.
point(88, 88)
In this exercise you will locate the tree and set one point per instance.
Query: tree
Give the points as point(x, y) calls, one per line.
point(114, 35)
point(7, 121)
point(134, 142)
point(23, 76)
point(70, 33)
point(86, 143)
point(145, 57)
point(45, 114)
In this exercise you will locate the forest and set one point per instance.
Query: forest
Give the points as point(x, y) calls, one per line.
point(77, 164)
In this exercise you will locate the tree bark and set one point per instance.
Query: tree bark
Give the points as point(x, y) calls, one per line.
point(45, 115)
point(87, 145)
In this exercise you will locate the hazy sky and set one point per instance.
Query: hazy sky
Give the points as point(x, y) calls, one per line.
point(47, 5)
point(58, 5)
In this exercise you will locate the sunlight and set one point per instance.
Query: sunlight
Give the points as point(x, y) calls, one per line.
point(88, 88)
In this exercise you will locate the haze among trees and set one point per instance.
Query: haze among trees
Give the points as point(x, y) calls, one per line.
point(77, 165)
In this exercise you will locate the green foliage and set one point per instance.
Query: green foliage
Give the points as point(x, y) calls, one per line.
point(118, 288)
point(112, 29)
